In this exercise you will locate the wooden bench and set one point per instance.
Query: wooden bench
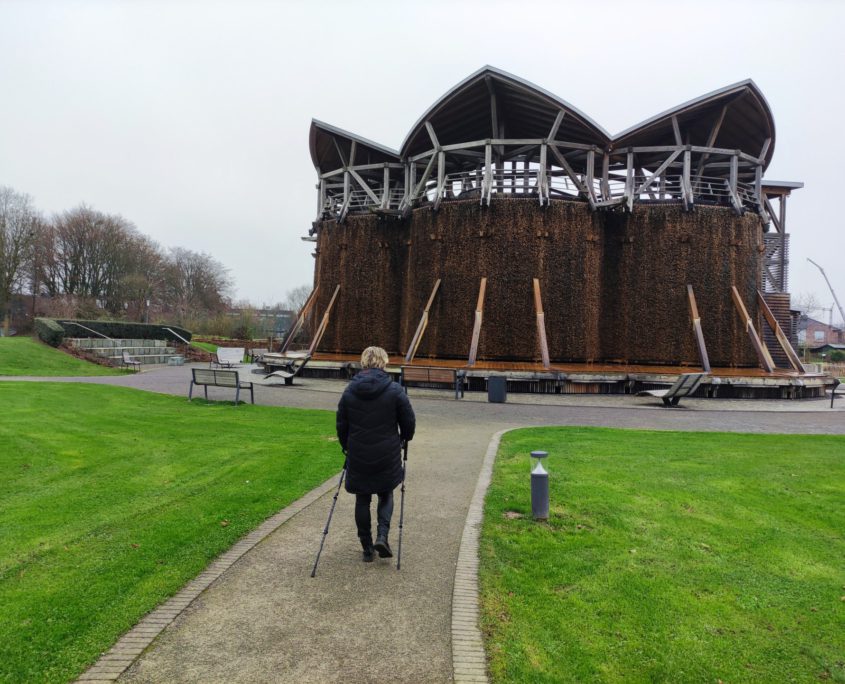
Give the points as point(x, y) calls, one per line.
point(127, 361)
point(434, 376)
point(219, 378)
point(838, 389)
point(289, 368)
point(684, 386)
point(227, 357)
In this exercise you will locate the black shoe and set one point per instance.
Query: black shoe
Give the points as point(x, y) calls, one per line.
point(383, 547)
point(368, 555)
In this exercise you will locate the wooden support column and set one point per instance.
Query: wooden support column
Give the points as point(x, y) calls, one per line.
point(629, 181)
point(686, 185)
point(782, 339)
point(487, 190)
point(441, 178)
point(542, 177)
point(696, 329)
point(758, 193)
point(591, 169)
point(732, 184)
point(541, 325)
point(322, 199)
point(605, 176)
point(323, 324)
point(300, 320)
point(423, 324)
point(476, 326)
point(759, 346)
point(385, 188)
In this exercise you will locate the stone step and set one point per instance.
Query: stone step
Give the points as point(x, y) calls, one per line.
point(145, 351)
point(101, 342)
point(110, 352)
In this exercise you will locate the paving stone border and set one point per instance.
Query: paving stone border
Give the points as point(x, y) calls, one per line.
point(114, 662)
point(469, 661)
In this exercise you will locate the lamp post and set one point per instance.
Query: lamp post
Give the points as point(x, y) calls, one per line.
point(539, 487)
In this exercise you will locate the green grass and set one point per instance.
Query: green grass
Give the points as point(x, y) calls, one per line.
point(205, 346)
point(26, 356)
point(111, 499)
point(668, 557)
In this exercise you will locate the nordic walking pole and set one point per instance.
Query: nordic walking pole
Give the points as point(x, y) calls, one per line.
point(402, 504)
point(329, 521)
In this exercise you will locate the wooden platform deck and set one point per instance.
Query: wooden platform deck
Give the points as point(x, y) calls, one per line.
point(600, 378)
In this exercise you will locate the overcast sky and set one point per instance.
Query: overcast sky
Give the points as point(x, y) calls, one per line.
point(191, 118)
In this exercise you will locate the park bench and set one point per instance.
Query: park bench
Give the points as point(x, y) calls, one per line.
point(838, 389)
point(227, 357)
point(684, 386)
point(219, 378)
point(128, 361)
point(434, 376)
point(289, 367)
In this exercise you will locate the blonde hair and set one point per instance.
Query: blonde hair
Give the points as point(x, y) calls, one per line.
point(374, 357)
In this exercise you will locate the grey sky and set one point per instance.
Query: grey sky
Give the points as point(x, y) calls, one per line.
point(191, 118)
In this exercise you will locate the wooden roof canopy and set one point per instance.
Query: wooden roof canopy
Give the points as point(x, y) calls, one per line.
point(492, 103)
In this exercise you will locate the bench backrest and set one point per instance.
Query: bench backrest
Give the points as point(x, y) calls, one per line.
point(222, 378)
point(127, 358)
point(230, 354)
point(424, 374)
point(685, 385)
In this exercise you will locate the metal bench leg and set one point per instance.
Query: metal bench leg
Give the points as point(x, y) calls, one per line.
point(237, 394)
point(205, 389)
point(251, 394)
point(190, 390)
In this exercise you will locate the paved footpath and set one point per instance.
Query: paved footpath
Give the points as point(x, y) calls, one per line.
point(266, 620)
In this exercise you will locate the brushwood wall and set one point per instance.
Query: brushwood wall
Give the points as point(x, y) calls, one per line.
point(613, 284)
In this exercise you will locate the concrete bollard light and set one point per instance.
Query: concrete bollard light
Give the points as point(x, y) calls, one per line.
point(539, 487)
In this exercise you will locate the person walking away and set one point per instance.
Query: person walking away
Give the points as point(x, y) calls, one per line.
point(374, 417)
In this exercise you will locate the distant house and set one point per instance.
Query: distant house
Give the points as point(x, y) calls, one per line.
point(813, 333)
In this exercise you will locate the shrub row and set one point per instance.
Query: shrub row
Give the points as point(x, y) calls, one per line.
point(49, 331)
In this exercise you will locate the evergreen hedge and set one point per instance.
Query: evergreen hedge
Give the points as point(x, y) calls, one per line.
point(54, 331)
point(49, 331)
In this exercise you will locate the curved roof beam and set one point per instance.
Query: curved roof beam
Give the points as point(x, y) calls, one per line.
point(734, 117)
point(331, 147)
point(490, 103)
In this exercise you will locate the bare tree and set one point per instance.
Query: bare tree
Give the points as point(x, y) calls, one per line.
point(18, 219)
point(807, 303)
point(295, 299)
point(194, 283)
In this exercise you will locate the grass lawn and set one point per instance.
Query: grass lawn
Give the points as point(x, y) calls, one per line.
point(668, 557)
point(111, 499)
point(205, 346)
point(26, 356)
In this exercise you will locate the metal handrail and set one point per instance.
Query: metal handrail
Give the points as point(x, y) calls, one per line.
point(173, 332)
point(89, 329)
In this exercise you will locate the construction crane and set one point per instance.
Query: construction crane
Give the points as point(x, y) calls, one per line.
point(835, 298)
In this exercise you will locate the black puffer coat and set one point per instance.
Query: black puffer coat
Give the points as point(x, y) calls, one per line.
point(373, 416)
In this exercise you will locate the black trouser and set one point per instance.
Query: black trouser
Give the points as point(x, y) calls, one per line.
point(384, 511)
